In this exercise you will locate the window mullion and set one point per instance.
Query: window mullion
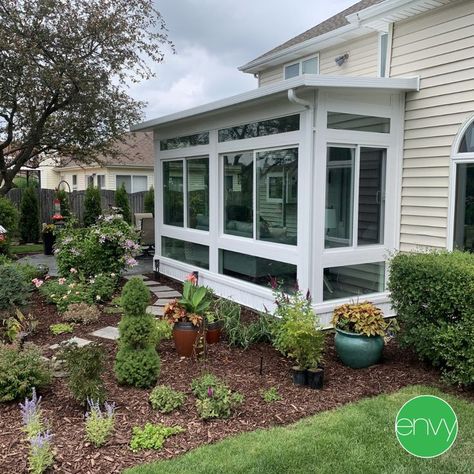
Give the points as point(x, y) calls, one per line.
point(355, 195)
point(254, 195)
point(185, 193)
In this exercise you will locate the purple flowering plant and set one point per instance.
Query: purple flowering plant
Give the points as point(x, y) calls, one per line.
point(40, 456)
point(32, 416)
point(99, 423)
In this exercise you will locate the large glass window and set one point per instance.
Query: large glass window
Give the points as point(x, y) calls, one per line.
point(464, 212)
point(198, 193)
point(358, 123)
point(341, 189)
point(186, 252)
point(260, 129)
point(277, 190)
point(183, 142)
point(353, 280)
point(256, 269)
point(467, 142)
point(173, 203)
point(124, 180)
point(238, 194)
point(139, 184)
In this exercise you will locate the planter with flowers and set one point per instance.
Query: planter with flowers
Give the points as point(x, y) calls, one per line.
point(360, 330)
point(187, 315)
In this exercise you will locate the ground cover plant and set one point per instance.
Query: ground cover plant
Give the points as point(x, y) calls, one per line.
point(165, 399)
point(152, 436)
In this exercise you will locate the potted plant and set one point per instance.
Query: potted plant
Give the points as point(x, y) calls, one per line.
point(48, 238)
point(213, 327)
point(360, 330)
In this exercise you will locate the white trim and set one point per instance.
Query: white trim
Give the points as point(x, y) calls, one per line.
point(300, 65)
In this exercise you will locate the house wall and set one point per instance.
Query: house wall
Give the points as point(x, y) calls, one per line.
point(363, 61)
point(439, 47)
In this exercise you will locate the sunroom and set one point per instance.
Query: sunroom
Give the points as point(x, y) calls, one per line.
point(297, 182)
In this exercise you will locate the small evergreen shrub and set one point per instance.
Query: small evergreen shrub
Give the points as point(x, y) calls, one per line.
point(20, 372)
point(13, 288)
point(82, 313)
point(122, 202)
point(149, 201)
point(165, 399)
point(29, 224)
point(152, 436)
point(85, 366)
point(137, 363)
point(433, 296)
point(92, 206)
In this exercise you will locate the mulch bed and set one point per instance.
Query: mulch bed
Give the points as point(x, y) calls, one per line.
point(240, 368)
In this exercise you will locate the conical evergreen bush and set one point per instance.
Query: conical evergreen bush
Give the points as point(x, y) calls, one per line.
point(92, 206)
point(29, 216)
point(122, 202)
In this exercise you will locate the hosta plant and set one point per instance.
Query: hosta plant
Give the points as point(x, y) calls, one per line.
point(360, 318)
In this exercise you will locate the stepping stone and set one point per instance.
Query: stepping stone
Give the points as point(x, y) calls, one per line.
point(109, 332)
point(155, 310)
point(168, 294)
point(142, 277)
point(74, 340)
point(151, 283)
point(163, 302)
point(160, 289)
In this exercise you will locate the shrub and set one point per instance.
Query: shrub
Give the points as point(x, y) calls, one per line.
point(152, 436)
point(271, 395)
point(81, 313)
point(8, 220)
point(122, 202)
point(102, 286)
point(29, 272)
point(99, 424)
point(29, 225)
point(20, 372)
point(65, 292)
point(61, 328)
point(433, 296)
point(107, 248)
point(85, 366)
point(163, 330)
point(149, 201)
point(165, 399)
point(92, 206)
point(137, 363)
point(13, 288)
point(214, 397)
point(360, 318)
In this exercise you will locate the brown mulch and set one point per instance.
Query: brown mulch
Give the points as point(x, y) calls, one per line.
point(239, 368)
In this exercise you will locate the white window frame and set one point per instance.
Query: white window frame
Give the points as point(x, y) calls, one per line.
point(74, 184)
point(380, 51)
point(131, 180)
point(274, 174)
point(300, 65)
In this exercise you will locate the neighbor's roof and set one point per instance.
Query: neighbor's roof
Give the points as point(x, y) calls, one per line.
point(135, 151)
point(333, 23)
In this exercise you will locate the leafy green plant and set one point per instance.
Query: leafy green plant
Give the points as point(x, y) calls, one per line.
point(13, 288)
point(165, 399)
point(123, 203)
point(149, 201)
point(21, 371)
point(214, 398)
point(271, 395)
point(137, 363)
point(82, 313)
point(433, 296)
point(92, 206)
point(61, 328)
point(152, 436)
point(66, 292)
point(99, 424)
point(360, 318)
point(195, 298)
point(164, 330)
point(8, 220)
point(85, 366)
point(40, 456)
point(29, 225)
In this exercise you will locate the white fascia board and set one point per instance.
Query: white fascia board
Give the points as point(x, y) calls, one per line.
point(306, 80)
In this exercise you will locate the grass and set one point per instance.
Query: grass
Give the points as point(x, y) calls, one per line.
point(356, 438)
point(24, 249)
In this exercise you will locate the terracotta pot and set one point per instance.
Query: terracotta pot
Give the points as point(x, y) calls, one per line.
point(213, 332)
point(184, 336)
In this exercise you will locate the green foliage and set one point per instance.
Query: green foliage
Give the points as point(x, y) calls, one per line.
point(29, 224)
point(196, 299)
point(165, 399)
point(163, 330)
point(99, 424)
point(296, 334)
point(271, 395)
point(8, 220)
point(40, 456)
point(123, 203)
point(66, 292)
point(13, 288)
point(61, 328)
point(137, 363)
point(29, 272)
point(102, 286)
point(92, 206)
point(82, 313)
point(63, 197)
point(104, 248)
point(360, 318)
point(149, 201)
point(21, 182)
point(152, 436)
point(20, 372)
point(433, 296)
point(85, 366)
point(214, 397)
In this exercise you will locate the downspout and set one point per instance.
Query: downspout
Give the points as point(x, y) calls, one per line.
point(292, 97)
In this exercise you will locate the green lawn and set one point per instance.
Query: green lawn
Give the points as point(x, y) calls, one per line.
point(357, 438)
point(29, 248)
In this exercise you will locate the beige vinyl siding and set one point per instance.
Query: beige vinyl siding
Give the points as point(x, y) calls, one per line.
point(439, 47)
point(363, 61)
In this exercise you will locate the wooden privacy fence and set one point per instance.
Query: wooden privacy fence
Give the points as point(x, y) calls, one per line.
point(76, 200)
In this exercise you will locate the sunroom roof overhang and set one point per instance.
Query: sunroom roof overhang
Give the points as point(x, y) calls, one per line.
point(301, 83)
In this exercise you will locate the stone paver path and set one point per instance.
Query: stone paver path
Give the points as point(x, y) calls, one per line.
point(78, 340)
point(155, 310)
point(109, 332)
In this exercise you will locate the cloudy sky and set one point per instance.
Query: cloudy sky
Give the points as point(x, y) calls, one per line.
point(213, 38)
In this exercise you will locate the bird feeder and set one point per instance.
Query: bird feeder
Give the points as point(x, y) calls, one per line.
point(3, 234)
point(57, 211)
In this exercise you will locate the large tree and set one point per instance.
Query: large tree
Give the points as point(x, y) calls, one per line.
point(65, 66)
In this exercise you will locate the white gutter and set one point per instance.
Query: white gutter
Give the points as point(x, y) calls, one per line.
point(292, 97)
point(305, 80)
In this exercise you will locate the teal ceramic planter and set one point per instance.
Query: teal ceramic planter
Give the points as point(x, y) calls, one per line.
point(358, 351)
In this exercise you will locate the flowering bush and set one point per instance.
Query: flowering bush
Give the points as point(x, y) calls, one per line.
point(99, 424)
point(31, 416)
point(41, 456)
point(110, 245)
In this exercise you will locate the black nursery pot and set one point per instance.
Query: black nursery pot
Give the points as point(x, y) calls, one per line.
point(315, 378)
point(48, 242)
point(299, 375)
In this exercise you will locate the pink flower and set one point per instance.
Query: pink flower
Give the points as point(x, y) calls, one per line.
point(61, 281)
point(192, 278)
point(37, 282)
point(131, 262)
point(73, 270)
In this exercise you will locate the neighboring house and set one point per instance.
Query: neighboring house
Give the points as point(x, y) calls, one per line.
point(358, 141)
point(132, 165)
